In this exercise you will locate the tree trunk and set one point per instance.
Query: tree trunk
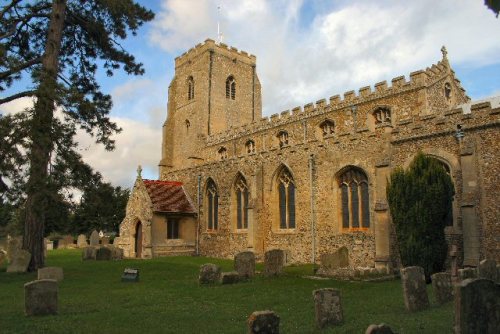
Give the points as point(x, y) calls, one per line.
point(42, 141)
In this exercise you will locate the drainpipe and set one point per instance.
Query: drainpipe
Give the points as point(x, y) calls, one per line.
point(313, 212)
point(198, 220)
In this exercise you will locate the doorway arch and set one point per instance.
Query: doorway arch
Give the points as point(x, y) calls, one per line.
point(138, 240)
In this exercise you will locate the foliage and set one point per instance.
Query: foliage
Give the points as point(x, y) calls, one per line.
point(168, 299)
point(494, 5)
point(420, 201)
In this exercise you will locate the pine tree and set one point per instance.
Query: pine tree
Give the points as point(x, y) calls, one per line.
point(59, 44)
point(420, 201)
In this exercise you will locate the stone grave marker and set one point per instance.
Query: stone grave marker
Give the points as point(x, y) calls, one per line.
point(94, 238)
point(338, 259)
point(3, 256)
point(105, 240)
point(244, 264)
point(466, 273)
point(82, 241)
point(40, 297)
point(89, 253)
point(103, 254)
point(414, 291)
point(230, 277)
point(328, 307)
point(55, 273)
point(13, 245)
point(130, 275)
point(263, 322)
point(274, 261)
point(67, 242)
point(477, 306)
point(487, 269)
point(116, 252)
point(379, 329)
point(443, 289)
point(209, 274)
point(19, 261)
point(49, 244)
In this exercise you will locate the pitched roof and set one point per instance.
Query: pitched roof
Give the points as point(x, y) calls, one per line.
point(169, 196)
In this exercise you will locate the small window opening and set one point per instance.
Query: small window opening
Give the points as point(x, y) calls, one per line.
point(283, 138)
point(222, 153)
point(172, 229)
point(230, 88)
point(250, 146)
point(382, 116)
point(190, 88)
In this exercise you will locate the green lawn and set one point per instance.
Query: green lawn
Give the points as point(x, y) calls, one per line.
point(168, 299)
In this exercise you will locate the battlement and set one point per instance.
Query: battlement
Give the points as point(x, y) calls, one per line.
point(221, 48)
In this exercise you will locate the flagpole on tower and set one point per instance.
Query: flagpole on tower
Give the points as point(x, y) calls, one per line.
point(219, 32)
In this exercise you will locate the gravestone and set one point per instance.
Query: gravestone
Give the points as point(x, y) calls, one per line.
point(19, 261)
point(103, 254)
point(66, 242)
point(209, 274)
point(263, 322)
point(273, 262)
point(487, 269)
point(55, 273)
point(89, 253)
point(328, 307)
point(49, 244)
point(94, 238)
point(443, 289)
point(3, 256)
point(379, 329)
point(116, 252)
point(477, 306)
point(338, 259)
point(230, 277)
point(82, 241)
point(130, 275)
point(414, 291)
point(244, 264)
point(466, 273)
point(105, 240)
point(13, 245)
point(40, 297)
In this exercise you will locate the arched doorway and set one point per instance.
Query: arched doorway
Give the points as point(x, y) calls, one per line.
point(138, 240)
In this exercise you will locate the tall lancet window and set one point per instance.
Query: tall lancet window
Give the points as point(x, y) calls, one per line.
point(190, 88)
point(242, 194)
point(212, 206)
point(230, 88)
point(286, 195)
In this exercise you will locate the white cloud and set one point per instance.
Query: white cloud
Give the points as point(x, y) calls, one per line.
point(16, 106)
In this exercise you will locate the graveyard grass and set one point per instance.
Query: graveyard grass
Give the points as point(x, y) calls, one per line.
point(168, 299)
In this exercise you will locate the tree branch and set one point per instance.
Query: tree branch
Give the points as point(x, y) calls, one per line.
point(19, 68)
point(17, 96)
point(8, 7)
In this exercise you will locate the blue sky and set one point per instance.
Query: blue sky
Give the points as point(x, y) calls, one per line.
point(306, 50)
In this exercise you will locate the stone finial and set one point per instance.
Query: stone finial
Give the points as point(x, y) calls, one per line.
point(139, 171)
point(444, 52)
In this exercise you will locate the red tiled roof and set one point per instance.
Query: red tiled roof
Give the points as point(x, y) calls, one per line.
point(169, 196)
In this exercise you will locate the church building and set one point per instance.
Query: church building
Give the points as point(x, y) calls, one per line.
point(312, 179)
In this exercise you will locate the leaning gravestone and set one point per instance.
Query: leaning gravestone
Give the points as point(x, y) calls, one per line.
point(477, 307)
point(94, 238)
point(89, 253)
point(19, 261)
point(379, 329)
point(244, 264)
point(263, 322)
point(209, 274)
point(55, 273)
point(273, 262)
point(230, 277)
point(103, 254)
point(487, 269)
point(414, 291)
point(82, 241)
point(466, 273)
point(328, 307)
point(40, 297)
point(443, 290)
point(338, 259)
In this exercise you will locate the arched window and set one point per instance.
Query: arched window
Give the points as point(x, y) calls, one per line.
point(449, 215)
point(190, 88)
point(242, 194)
point(327, 128)
point(282, 138)
point(382, 115)
point(354, 199)
point(447, 90)
point(250, 146)
point(286, 197)
point(212, 206)
point(230, 88)
point(222, 152)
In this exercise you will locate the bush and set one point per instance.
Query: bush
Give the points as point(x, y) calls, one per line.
point(420, 200)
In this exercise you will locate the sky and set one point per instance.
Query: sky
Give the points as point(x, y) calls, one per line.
point(306, 50)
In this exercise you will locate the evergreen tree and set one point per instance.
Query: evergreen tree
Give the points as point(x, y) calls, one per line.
point(60, 43)
point(420, 201)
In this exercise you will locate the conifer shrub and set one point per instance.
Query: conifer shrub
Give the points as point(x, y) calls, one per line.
point(420, 199)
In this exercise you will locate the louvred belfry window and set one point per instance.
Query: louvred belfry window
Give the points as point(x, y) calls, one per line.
point(230, 88)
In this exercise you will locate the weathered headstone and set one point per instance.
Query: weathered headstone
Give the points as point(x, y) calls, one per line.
point(273, 262)
point(443, 289)
point(105, 240)
point(230, 277)
point(244, 264)
point(487, 269)
point(116, 252)
point(477, 307)
point(13, 245)
point(82, 241)
point(94, 238)
point(328, 307)
point(338, 259)
point(209, 273)
point(40, 297)
point(55, 273)
point(103, 254)
point(263, 322)
point(49, 244)
point(414, 291)
point(379, 329)
point(466, 273)
point(89, 253)
point(19, 261)
point(130, 275)
point(66, 242)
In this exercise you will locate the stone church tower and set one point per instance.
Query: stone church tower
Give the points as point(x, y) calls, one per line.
point(215, 88)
